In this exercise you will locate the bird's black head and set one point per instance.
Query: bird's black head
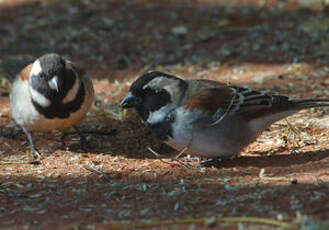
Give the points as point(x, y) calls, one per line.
point(154, 95)
point(51, 64)
point(51, 77)
point(55, 87)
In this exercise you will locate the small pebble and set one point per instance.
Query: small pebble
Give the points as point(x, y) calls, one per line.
point(294, 181)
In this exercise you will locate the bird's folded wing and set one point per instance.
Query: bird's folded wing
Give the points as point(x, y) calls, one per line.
point(230, 100)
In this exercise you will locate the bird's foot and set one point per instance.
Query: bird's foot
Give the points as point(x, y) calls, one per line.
point(210, 162)
point(36, 156)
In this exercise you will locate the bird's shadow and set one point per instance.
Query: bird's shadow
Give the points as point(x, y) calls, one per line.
point(85, 145)
point(274, 161)
point(65, 139)
point(261, 161)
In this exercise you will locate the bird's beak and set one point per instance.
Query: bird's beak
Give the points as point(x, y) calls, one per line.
point(130, 101)
point(53, 83)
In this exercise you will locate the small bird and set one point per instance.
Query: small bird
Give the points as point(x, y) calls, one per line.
point(49, 94)
point(207, 118)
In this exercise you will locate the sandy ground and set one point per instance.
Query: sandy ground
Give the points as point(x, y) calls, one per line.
point(282, 177)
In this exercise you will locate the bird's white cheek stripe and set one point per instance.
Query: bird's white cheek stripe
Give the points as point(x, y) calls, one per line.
point(72, 93)
point(156, 117)
point(36, 68)
point(39, 98)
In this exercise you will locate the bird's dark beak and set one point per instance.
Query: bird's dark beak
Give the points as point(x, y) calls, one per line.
point(130, 101)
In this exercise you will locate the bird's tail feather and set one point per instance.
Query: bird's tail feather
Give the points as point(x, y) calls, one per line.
point(309, 103)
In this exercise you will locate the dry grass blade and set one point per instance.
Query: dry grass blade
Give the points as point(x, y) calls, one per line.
point(99, 172)
point(226, 111)
point(175, 159)
point(187, 146)
point(293, 129)
point(154, 152)
point(263, 176)
point(251, 220)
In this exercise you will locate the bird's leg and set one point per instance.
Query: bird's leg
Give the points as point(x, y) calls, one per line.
point(35, 153)
point(83, 140)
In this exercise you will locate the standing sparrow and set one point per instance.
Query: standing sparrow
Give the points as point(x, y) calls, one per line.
point(207, 118)
point(50, 93)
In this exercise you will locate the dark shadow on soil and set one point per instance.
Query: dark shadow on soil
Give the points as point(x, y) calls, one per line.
point(118, 138)
point(132, 139)
point(67, 201)
point(290, 160)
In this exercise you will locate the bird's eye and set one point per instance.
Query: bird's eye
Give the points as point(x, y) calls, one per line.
point(42, 75)
point(149, 91)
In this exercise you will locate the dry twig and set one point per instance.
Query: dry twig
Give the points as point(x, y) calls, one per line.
point(252, 220)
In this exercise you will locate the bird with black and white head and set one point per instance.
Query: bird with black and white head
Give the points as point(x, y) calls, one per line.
point(207, 118)
point(49, 94)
